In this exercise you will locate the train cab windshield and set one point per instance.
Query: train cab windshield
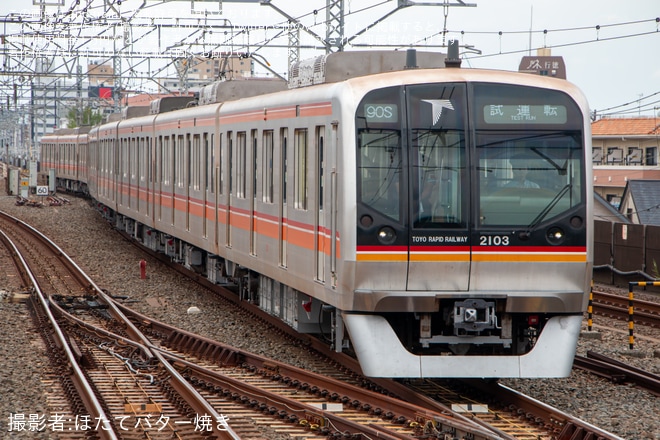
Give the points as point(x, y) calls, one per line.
point(524, 179)
point(430, 173)
point(381, 171)
point(436, 135)
point(414, 142)
point(528, 154)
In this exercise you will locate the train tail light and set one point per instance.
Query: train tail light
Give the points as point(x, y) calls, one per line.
point(533, 320)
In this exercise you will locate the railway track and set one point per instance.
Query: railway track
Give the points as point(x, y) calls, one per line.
point(66, 378)
point(617, 307)
point(618, 372)
point(340, 391)
point(105, 396)
point(499, 409)
point(510, 414)
point(258, 394)
point(145, 395)
point(123, 375)
point(502, 410)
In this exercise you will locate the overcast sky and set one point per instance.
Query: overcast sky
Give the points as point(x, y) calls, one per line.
point(610, 64)
point(610, 47)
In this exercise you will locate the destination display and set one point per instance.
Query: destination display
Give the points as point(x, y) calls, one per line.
point(381, 113)
point(524, 114)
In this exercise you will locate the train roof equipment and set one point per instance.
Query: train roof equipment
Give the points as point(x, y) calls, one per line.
point(339, 66)
point(83, 129)
point(239, 88)
point(135, 111)
point(170, 103)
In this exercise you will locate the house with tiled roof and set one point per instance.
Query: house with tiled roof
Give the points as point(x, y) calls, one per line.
point(624, 149)
point(640, 202)
point(605, 211)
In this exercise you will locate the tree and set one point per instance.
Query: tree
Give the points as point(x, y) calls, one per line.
point(88, 117)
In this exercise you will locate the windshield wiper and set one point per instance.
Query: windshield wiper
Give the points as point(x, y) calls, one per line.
point(539, 218)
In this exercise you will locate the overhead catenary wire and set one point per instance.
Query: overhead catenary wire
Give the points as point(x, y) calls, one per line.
point(633, 102)
point(650, 107)
point(100, 14)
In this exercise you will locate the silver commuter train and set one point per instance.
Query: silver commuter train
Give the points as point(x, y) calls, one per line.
point(442, 216)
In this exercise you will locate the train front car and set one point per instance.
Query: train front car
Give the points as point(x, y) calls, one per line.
point(472, 252)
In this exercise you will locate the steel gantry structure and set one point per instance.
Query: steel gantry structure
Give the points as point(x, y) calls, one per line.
point(44, 51)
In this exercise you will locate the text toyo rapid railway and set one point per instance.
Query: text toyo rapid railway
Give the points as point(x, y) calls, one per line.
point(436, 220)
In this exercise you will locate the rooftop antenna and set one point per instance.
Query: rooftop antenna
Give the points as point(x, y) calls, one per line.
point(452, 59)
point(411, 59)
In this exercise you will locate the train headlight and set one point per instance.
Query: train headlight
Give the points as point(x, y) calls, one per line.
point(555, 235)
point(386, 235)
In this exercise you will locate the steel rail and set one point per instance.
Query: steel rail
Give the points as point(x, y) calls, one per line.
point(567, 426)
point(617, 306)
point(178, 383)
point(282, 404)
point(210, 349)
point(618, 371)
point(82, 277)
point(85, 390)
point(349, 363)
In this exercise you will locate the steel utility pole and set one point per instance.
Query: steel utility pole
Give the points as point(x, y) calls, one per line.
point(334, 34)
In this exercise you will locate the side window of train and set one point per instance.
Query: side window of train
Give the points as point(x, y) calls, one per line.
point(166, 160)
point(230, 162)
point(114, 156)
point(208, 163)
point(300, 168)
point(241, 164)
point(219, 174)
point(284, 134)
point(180, 160)
point(172, 160)
point(267, 166)
point(191, 162)
point(320, 132)
point(133, 158)
point(125, 158)
point(151, 159)
point(199, 160)
point(144, 160)
point(255, 167)
point(158, 165)
point(177, 149)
